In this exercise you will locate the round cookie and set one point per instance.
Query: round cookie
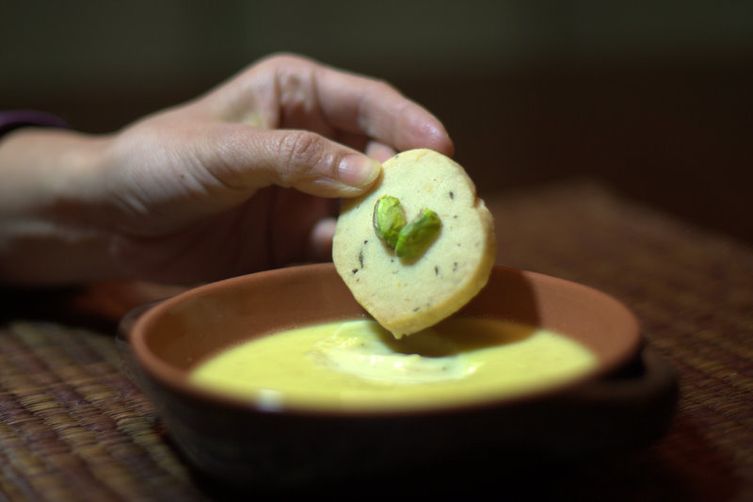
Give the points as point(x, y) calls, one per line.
point(406, 296)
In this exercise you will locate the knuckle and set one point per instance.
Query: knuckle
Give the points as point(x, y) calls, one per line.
point(272, 64)
point(283, 59)
point(382, 87)
point(300, 147)
point(302, 154)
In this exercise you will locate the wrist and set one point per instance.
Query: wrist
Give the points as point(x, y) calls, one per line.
point(48, 171)
point(47, 205)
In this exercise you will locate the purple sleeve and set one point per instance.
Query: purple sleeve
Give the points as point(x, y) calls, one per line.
point(13, 119)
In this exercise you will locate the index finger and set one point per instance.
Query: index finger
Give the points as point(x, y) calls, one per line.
point(376, 109)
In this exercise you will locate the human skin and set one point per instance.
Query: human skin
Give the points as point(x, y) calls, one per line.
point(240, 179)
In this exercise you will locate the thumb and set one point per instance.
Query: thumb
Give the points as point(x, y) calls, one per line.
point(254, 158)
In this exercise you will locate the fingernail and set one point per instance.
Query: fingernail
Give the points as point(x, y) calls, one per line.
point(358, 170)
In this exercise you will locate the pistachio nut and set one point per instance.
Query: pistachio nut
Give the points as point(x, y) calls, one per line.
point(389, 219)
point(415, 237)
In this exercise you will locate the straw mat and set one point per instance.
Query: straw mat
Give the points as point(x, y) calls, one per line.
point(73, 426)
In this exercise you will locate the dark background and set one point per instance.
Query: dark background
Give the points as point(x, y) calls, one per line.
point(655, 99)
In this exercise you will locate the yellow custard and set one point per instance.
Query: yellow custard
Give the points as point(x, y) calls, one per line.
point(357, 365)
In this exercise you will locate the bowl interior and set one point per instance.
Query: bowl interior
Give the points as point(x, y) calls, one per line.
point(175, 335)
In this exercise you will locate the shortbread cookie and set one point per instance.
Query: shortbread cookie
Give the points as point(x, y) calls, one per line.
point(447, 269)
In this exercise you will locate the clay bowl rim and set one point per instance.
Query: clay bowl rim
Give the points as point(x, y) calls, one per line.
point(177, 380)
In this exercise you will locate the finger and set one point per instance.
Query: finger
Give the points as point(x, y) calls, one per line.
point(242, 157)
point(320, 240)
point(379, 151)
point(374, 149)
point(294, 92)
point(377, 110)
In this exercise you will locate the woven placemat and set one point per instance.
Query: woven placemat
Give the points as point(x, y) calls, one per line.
point(692, 291)
point(73, 427)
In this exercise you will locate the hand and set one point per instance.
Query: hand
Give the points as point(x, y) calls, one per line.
point(235, 181)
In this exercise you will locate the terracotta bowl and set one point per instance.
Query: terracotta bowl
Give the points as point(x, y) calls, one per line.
point(626, 400)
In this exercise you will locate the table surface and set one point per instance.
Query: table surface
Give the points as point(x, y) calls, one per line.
point(72, 423)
